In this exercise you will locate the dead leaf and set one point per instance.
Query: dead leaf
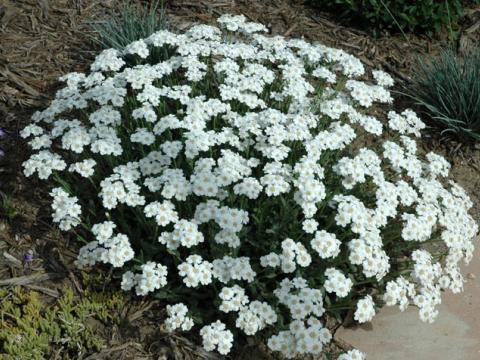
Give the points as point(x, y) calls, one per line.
point(12, 260)
point(28, 279)
point(44, 8)
point(7, 13)
point(19, 82)
point(473, 28)
point(51, 292)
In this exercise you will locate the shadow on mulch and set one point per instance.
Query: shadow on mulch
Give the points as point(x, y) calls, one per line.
point(41, 40)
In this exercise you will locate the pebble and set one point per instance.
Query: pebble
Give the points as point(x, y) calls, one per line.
point(471, 276)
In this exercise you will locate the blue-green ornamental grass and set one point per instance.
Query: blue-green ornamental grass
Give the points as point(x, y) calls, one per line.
point(229, 180)
point(133, 22)
point(447, 87)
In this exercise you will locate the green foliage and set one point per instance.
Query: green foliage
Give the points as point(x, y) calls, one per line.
point(31, 330)
point(394, 15)
point(448, 88)
point(7, 208)
point(134, 22)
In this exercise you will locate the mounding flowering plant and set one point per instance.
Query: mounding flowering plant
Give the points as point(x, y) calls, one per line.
point(242, 179)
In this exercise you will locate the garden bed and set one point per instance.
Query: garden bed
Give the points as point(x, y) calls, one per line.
point(39, 43)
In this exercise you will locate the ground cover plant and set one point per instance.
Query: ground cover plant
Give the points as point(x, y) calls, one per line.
point(243, 181)
point(30, 330)
point(448, 89)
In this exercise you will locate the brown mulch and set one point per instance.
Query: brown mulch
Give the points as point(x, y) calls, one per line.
point(41, 40)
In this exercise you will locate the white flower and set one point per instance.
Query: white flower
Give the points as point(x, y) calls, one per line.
point(108, 60)
point(437, 165)
point(177, 318)
point(406, 123)
point(30, 130)
point(128, 281)
point(326, 244)
point(301, 300)
point(143, 136)
point(67, 211)
point(44, 163)
point(195, 271)
point(187, 234)
point(352, 355)
point(216, 336)
point(152, 277)
point(164, 213)
point(114, 250)
point(85, 168)
point(250, 187)
point(118, 251)
point(233, 299)
point(103, 231)
point(301, 339)
point(139, 48)
point(228, 268)
point(382, 78)
point(365, 309)
point(337, 282)
point(40, 142)
point(255, 317)
point(310, 226)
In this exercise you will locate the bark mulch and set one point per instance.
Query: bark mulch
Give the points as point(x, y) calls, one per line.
point(41, 40)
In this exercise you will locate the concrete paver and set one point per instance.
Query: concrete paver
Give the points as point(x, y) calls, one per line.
point(455, 335)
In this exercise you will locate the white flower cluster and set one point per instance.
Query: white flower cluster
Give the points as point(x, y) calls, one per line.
point(398, 292)
point(301, 300)
point(115, 250)
point(67, 212)
point(216, 336)
point(301, 338)
point(352, 355)
point(406, 123)
point(44, 163)
point(238, 163)
point(185, 233)
point(337, 282)
point(85, 168)
point(365, 310)
point(382, 78)
point(233, 299)
point(325, 244)
point(252, 316)
point(177, 318)
point(293, 254)
point(164, 213)
point(195, 271)
point(152, 277)
point(229, 268)
point(255, 317)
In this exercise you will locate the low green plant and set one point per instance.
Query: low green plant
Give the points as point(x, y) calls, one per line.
point(7, 208)
point(448, 89)
point(405, 15)
point(29, 330)
point(134, 21)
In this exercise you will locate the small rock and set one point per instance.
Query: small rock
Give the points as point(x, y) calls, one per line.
point(471, 276)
